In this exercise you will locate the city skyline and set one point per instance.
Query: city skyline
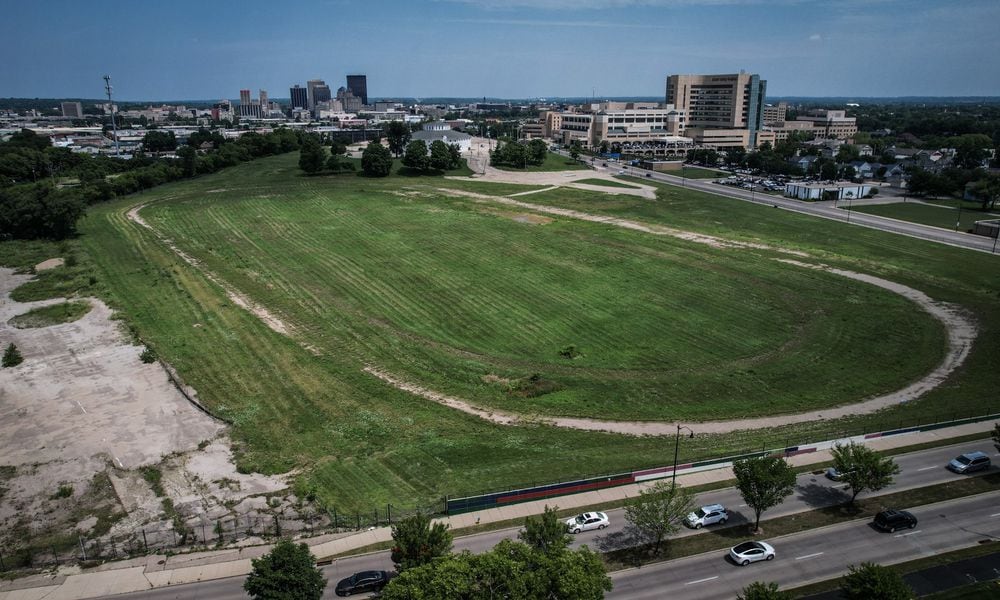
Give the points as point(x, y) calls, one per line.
point(515, 49)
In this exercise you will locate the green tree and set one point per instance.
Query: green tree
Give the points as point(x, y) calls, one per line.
point(456, 156)
point(575, 149)
point(545, 532)
point(828, 170)
point(441, 158)
point(537, 151)
point(415, 156)
point(159, 141)
point(398, 136)
point(376, 161)
point(763, 591)
point(764, 482)
point(848, 153)
point(987, 190)
point(657, 511)
point(862, 468)
point(189, 160)
point(971, 149)
point(311, 156)
point(874, 582)
point(12, 356)
point(288, 572)
point(736, 156)
point(337, 147)
point(511, 570)
point(417, 542)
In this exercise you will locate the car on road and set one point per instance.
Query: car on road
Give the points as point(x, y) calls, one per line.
point(749, 552)
point(587, 521)
point(707, 515)
point(893, 520)
point(834, 474)
point(970, 462)
point(363, 582)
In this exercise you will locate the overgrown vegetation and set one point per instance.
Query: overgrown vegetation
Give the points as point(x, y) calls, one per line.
point(54, 314)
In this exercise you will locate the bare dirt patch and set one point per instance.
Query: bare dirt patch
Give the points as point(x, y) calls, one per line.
point(51, 263)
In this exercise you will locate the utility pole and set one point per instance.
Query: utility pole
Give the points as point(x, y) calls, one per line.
point(114, 124)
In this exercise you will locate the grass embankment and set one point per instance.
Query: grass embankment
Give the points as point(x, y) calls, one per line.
point(460, 297)
point(552, 162)
point(54, 314)
point(944, 217)
point(607, 183)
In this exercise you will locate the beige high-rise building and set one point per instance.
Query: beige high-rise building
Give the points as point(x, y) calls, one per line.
point(730, 101)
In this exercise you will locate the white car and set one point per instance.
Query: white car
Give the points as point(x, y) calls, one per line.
point(749, 552)
point(587, 521)
point(707, 515)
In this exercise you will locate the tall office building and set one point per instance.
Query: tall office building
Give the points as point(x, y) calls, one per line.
point(734, 101)
point(265, 108)
point(299, 96)
point(358, 84)
point(321, 93)
point(311, 85)
point(72, 110)
point(244, 98)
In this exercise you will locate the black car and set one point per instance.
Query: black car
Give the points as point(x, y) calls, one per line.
point(891, 520)
point(365, 581)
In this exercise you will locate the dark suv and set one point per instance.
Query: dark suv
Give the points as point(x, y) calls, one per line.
point(891, 520)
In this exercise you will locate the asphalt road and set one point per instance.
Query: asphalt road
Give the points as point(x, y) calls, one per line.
point(817, 555)
point(825, 210)
point(918, 469)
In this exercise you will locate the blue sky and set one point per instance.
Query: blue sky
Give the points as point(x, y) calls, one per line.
point(499, 48)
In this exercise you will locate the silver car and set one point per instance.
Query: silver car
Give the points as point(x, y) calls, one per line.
point(707, 515)
point(749, 552)
point(587, 521)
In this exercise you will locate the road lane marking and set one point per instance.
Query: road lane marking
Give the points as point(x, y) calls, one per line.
point(995, 515)
point(81, 407)
point(702, 580)
point(808, 556)
point(910, 533)
point(927, 468)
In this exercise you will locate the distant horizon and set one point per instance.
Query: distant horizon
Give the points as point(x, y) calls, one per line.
point(470, 99)
point(501, 48)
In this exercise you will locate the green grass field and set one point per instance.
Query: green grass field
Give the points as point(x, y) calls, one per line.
point(462, 296)
point(54, 314)
point(607, 183)
point(553, 162)
point(935, 216)
point(699, 173)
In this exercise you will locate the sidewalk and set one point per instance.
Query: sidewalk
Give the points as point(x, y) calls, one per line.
point(157, 571)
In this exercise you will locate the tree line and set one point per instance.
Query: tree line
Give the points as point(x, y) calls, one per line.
point(518, 154)
point(33, 204)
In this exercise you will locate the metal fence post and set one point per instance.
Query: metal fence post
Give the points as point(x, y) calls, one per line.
point(388, 513)
point(83, 550)
point(145, 544)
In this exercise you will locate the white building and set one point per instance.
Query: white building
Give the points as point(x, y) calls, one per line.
point(440, 130)
point(841, 190)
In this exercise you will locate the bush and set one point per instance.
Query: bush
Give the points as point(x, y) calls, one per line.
point(148, 356)
point(64, 491)
point(12, 356)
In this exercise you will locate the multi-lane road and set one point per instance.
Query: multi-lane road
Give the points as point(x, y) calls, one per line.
point(709, 576)
point(819, 209)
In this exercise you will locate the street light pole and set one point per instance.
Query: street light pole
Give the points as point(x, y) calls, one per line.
point(677, 445)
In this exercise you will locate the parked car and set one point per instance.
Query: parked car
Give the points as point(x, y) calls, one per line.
point(749, 552)
point(834, 474)
point(970, 462)
point(587, 521)
point(892, 520)
point(362, 582)
point(707, 515)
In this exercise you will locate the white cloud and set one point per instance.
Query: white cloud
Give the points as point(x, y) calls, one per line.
point(815, 37)
point(608, 4)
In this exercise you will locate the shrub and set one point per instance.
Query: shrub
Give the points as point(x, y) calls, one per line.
point(148, 355)
point(64, 491)
point(12, 356)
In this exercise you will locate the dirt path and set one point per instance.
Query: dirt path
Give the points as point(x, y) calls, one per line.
point(699, 238)
point(961, 332)
point(235, 296)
